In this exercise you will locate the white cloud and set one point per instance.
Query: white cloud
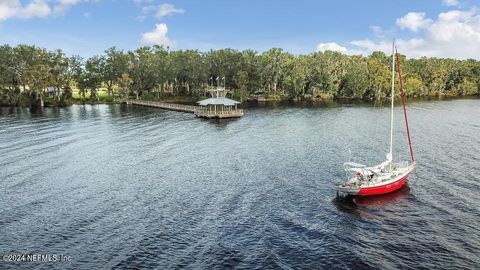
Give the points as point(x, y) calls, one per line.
point(8, 8)
point(63, 5)
point(406, 46)
point(68, 2)
point(454, 34)
point(331, 46)
point(451, 3)
point(157, 37)
point(413, 21)
point(456, 26)
point(9, 2)
point(34, 8)
point(380, 32)
point(141, 2)
point(168, 9)
point(149, 9)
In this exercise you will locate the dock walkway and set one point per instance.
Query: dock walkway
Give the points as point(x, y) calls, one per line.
point(164, 105)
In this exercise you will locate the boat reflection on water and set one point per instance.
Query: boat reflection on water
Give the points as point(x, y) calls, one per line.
point(355, 204)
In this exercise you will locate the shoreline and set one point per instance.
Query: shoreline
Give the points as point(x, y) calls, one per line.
point(250, 102)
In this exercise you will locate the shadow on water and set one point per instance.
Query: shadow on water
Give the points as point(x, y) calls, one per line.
point(291, 104)
point(347, 102)
point(36, 111)
point(11, 110)
point(345, 204)
point(353, 205)
point(220, 122)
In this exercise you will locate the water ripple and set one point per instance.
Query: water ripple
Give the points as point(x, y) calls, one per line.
point(124, 187)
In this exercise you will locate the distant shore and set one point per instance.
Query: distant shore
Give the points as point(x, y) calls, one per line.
point(103, 98)
point(37, 77)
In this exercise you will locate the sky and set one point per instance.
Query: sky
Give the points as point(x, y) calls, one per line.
point(432, 28)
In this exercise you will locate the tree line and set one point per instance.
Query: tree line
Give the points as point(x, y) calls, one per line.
point(30, 75)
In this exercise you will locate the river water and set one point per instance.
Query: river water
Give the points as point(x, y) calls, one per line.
point(125, 187)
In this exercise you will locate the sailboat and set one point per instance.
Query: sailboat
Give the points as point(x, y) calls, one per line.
point(388, 176)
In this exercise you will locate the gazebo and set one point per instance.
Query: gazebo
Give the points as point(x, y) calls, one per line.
point(218, 106)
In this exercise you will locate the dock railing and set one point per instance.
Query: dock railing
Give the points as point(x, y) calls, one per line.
point(164, 105)
point(204, 112)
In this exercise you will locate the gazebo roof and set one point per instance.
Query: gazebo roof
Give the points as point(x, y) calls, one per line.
point(218, 101)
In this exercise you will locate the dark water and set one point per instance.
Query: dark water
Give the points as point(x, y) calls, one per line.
point(128, 187)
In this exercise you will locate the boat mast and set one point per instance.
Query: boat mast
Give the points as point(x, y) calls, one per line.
point(392, 98)
point(404, 102)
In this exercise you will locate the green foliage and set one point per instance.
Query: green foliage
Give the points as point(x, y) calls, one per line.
point(147, 96)
point(355, 81)
point(414, 86)
point(466, 88)
point(34, 76)
point(379, 75)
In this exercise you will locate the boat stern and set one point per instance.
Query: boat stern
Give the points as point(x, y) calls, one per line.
point(347, 188)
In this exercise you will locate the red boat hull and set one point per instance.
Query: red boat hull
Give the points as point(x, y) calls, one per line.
point(383, 189)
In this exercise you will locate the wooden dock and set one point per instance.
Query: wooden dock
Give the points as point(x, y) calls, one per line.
point(199, 111)
point(164, 105)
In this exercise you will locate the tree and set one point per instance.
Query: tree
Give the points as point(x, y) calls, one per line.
point(189, 72)
point(34, 72)
point(413, 86)
point(273, 62)
point(58, 64)
point(379, 75)
point(113, 64)
point(125, 82)
point(26, 72)
point(141, 71)
point(9, 77)
point(92, 78)
point(295, 78)
point(355, 83)
point(466, 88)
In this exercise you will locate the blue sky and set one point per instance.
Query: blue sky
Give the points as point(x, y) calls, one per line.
point(443, 28)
